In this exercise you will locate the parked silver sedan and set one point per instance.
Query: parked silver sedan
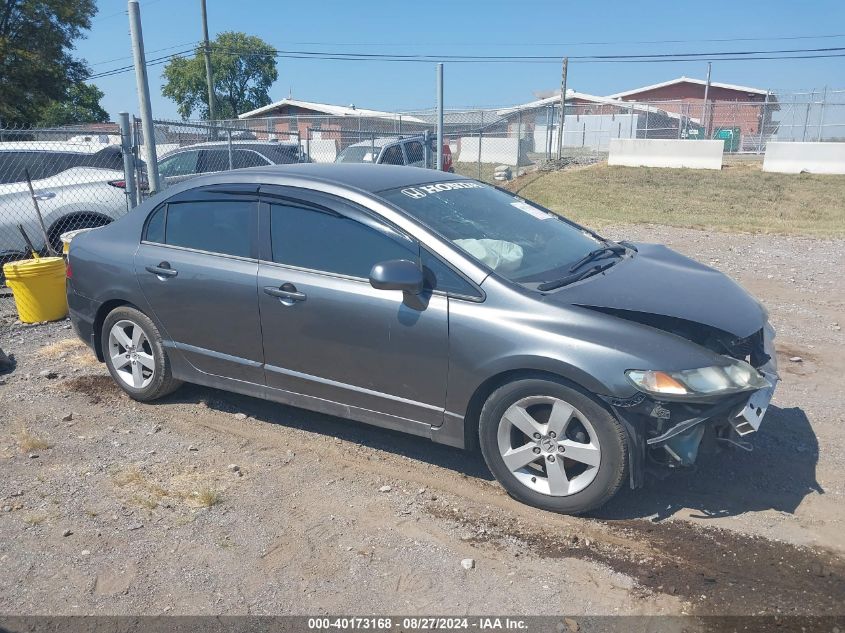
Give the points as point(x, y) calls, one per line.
point(436, 305)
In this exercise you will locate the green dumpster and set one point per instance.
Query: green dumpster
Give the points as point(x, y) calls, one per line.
point(731, 137)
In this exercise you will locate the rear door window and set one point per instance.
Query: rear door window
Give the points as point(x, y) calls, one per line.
point(214, 226)
point(214, 160)
point(181, 164)
point(247, 158)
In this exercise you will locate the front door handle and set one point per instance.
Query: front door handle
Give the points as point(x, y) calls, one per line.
point(162, 270)
point(287, 293)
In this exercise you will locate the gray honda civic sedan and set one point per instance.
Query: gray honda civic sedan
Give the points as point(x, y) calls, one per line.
point(433, 304)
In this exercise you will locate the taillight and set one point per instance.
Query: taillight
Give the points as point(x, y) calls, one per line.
point(121, 184)
point(68, 271)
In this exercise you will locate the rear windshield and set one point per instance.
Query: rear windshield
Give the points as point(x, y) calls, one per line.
point(516, 238)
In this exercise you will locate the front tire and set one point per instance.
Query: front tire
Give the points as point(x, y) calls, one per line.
point(135, 356)
point(552, 446)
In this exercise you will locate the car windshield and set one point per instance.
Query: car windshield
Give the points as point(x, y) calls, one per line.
point(518, 239)
point(358, 154)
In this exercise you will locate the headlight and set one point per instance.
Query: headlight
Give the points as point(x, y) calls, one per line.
point(705, 381)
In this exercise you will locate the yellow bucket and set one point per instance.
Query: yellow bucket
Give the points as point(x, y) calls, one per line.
point(38, 286)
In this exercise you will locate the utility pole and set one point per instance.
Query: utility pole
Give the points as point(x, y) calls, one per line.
point(705, 115)
point(562, 108)
point(209, 77)
point(439, 116)
point(143, 86)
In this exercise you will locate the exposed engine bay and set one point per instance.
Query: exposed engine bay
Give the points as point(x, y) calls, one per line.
point(671, 434)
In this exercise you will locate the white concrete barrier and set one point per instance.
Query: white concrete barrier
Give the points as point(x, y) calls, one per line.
point(323, 150)
point(666, 153)
point(504, 151)
point(795, 157)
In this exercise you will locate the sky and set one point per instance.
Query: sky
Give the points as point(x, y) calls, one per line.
point(489, 27)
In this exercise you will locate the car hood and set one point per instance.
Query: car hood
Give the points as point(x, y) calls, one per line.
point(657, 280)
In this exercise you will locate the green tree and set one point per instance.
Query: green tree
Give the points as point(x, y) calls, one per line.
point(244, 68)
point(36, 65)
point(81, 105)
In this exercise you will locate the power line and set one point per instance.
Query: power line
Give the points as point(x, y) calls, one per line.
point(157, 50)
point(156, 61)
point(611, 43)
point(753, 55)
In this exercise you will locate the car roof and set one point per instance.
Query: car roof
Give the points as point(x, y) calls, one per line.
point(386, 140)
point(362, 176)
point(237, 143)
point(55, 147)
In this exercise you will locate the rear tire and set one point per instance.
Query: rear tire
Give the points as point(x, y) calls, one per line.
point(552, 445)
point(135, 356)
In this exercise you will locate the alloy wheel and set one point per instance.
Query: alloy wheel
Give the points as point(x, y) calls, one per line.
point(549, 446)
point(131, 354)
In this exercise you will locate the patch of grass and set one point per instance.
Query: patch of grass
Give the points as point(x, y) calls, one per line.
point(740, 197)
point(127, 477)
point(149, 503)
point(207, 497)
point(64, 346)
point(28, 441)
point(147, 494)
point(34, 519)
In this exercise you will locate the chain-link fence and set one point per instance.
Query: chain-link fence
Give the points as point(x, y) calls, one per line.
point(53, 181)
point(74, 177)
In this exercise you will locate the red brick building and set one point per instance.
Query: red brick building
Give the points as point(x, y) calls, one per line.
point(728, 105)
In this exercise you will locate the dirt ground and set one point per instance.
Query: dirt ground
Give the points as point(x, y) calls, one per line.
point(214, 503)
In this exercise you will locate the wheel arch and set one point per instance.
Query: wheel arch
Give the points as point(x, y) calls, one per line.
point(57, 227)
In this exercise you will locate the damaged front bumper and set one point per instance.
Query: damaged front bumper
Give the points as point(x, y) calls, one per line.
point(666, 434)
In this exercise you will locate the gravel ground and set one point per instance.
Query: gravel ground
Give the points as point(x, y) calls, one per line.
point(213, 503)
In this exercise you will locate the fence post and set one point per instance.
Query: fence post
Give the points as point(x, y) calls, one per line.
point(128, 159)
point(647, 110)
point(308, 143)
point(229, 147)
point(427, 148)
point(807, 116)
point(439, 116)
point(143, 87)
point(762, 123)
point(821, 114)
point(518, 138)
point(480, 134)
point(680, 119)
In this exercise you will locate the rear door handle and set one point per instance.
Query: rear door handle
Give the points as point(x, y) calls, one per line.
point(286, 292)
point(162, 270)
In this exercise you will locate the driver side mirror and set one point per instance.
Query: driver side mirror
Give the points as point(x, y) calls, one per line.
point(397, 274)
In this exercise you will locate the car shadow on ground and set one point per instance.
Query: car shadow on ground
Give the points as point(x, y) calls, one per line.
point(776, 475)
point(466, 463)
